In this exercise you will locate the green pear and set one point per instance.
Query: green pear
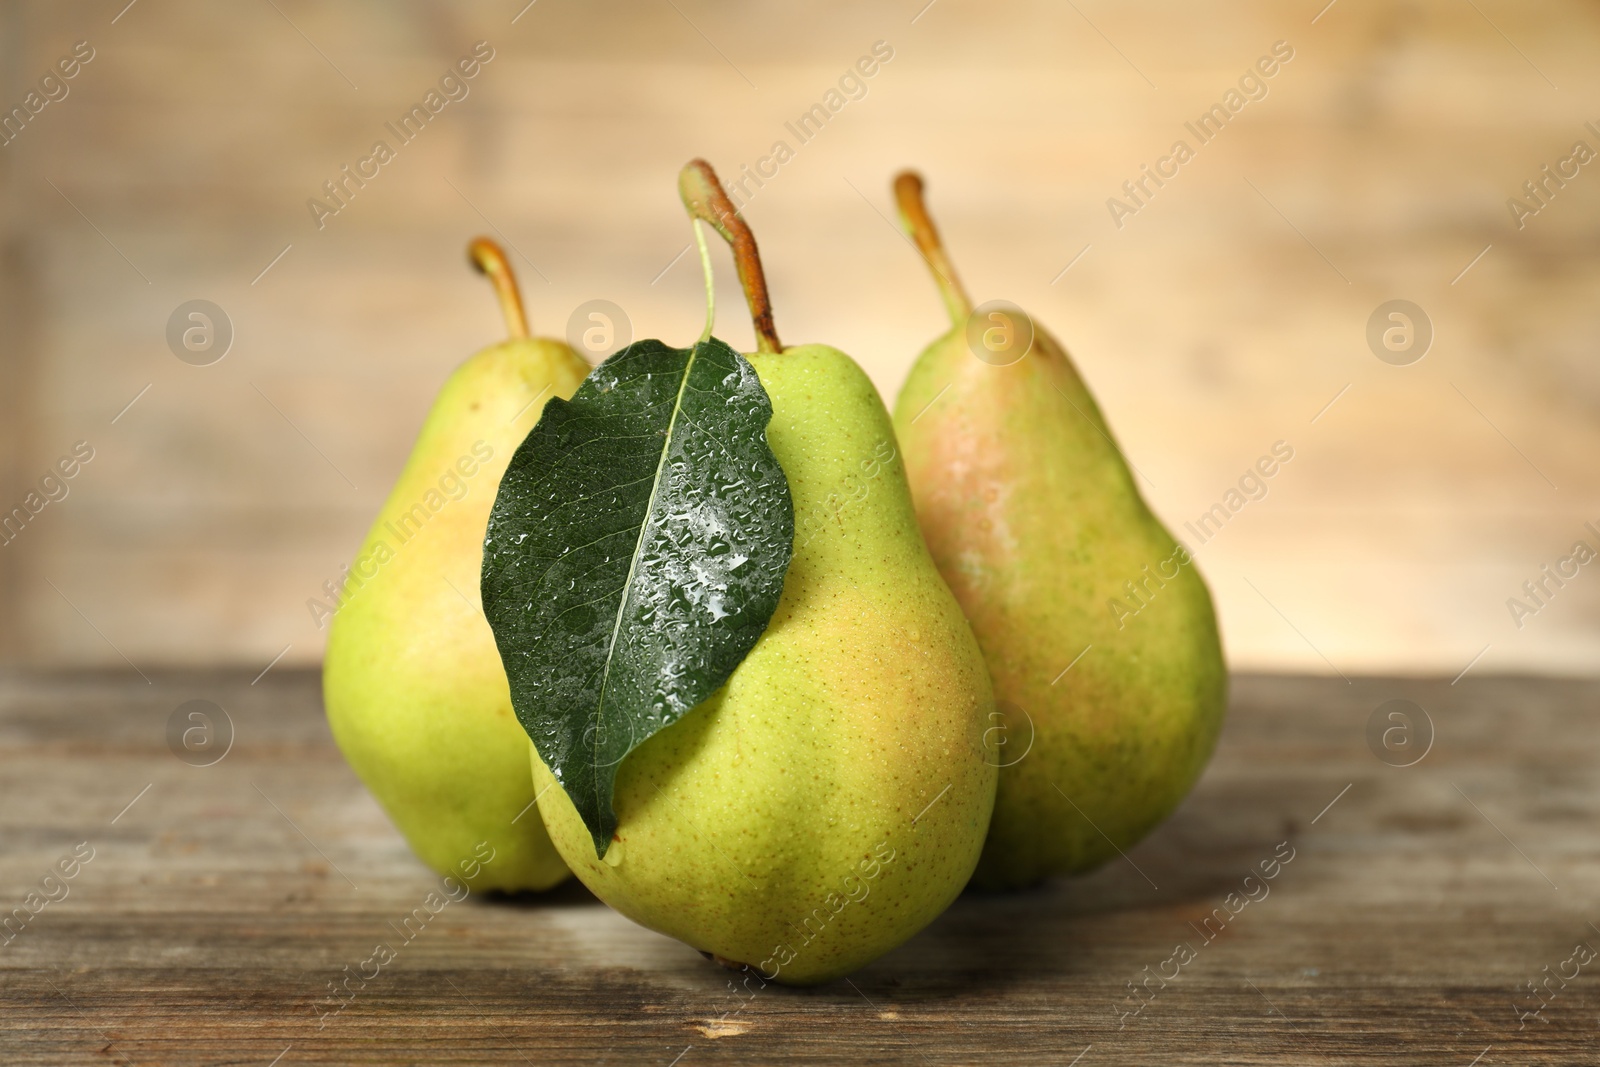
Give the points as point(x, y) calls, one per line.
point(1098, 630)
point(415, 691)
point(831, 798)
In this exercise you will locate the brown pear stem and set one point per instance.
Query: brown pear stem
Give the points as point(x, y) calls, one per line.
point(706, 200)
point(491, 259)
point(919, 224)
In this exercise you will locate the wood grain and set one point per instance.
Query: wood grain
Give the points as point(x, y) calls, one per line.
point(209, 923)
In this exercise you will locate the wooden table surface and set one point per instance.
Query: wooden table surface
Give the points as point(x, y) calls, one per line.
point(219, 906)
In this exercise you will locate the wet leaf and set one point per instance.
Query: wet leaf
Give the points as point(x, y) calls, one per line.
point(636, 550)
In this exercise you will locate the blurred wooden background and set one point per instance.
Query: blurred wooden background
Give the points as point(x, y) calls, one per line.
point(1222, 318)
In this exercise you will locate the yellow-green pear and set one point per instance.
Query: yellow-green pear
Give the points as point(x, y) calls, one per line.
point(831, 798)
point(1098, 630)
point(415, 691)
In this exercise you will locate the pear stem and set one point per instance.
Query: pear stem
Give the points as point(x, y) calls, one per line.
point(708, 202)
point(919, 224)
point(490, 259)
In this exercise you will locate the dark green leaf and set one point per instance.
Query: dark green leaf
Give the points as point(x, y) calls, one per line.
point(636, 550)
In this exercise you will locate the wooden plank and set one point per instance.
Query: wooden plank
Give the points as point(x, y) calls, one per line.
point(219, 907)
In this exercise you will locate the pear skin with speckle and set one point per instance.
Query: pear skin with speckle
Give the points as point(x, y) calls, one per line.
point(832, 797)
point(416, 694)
point(1097, 628)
